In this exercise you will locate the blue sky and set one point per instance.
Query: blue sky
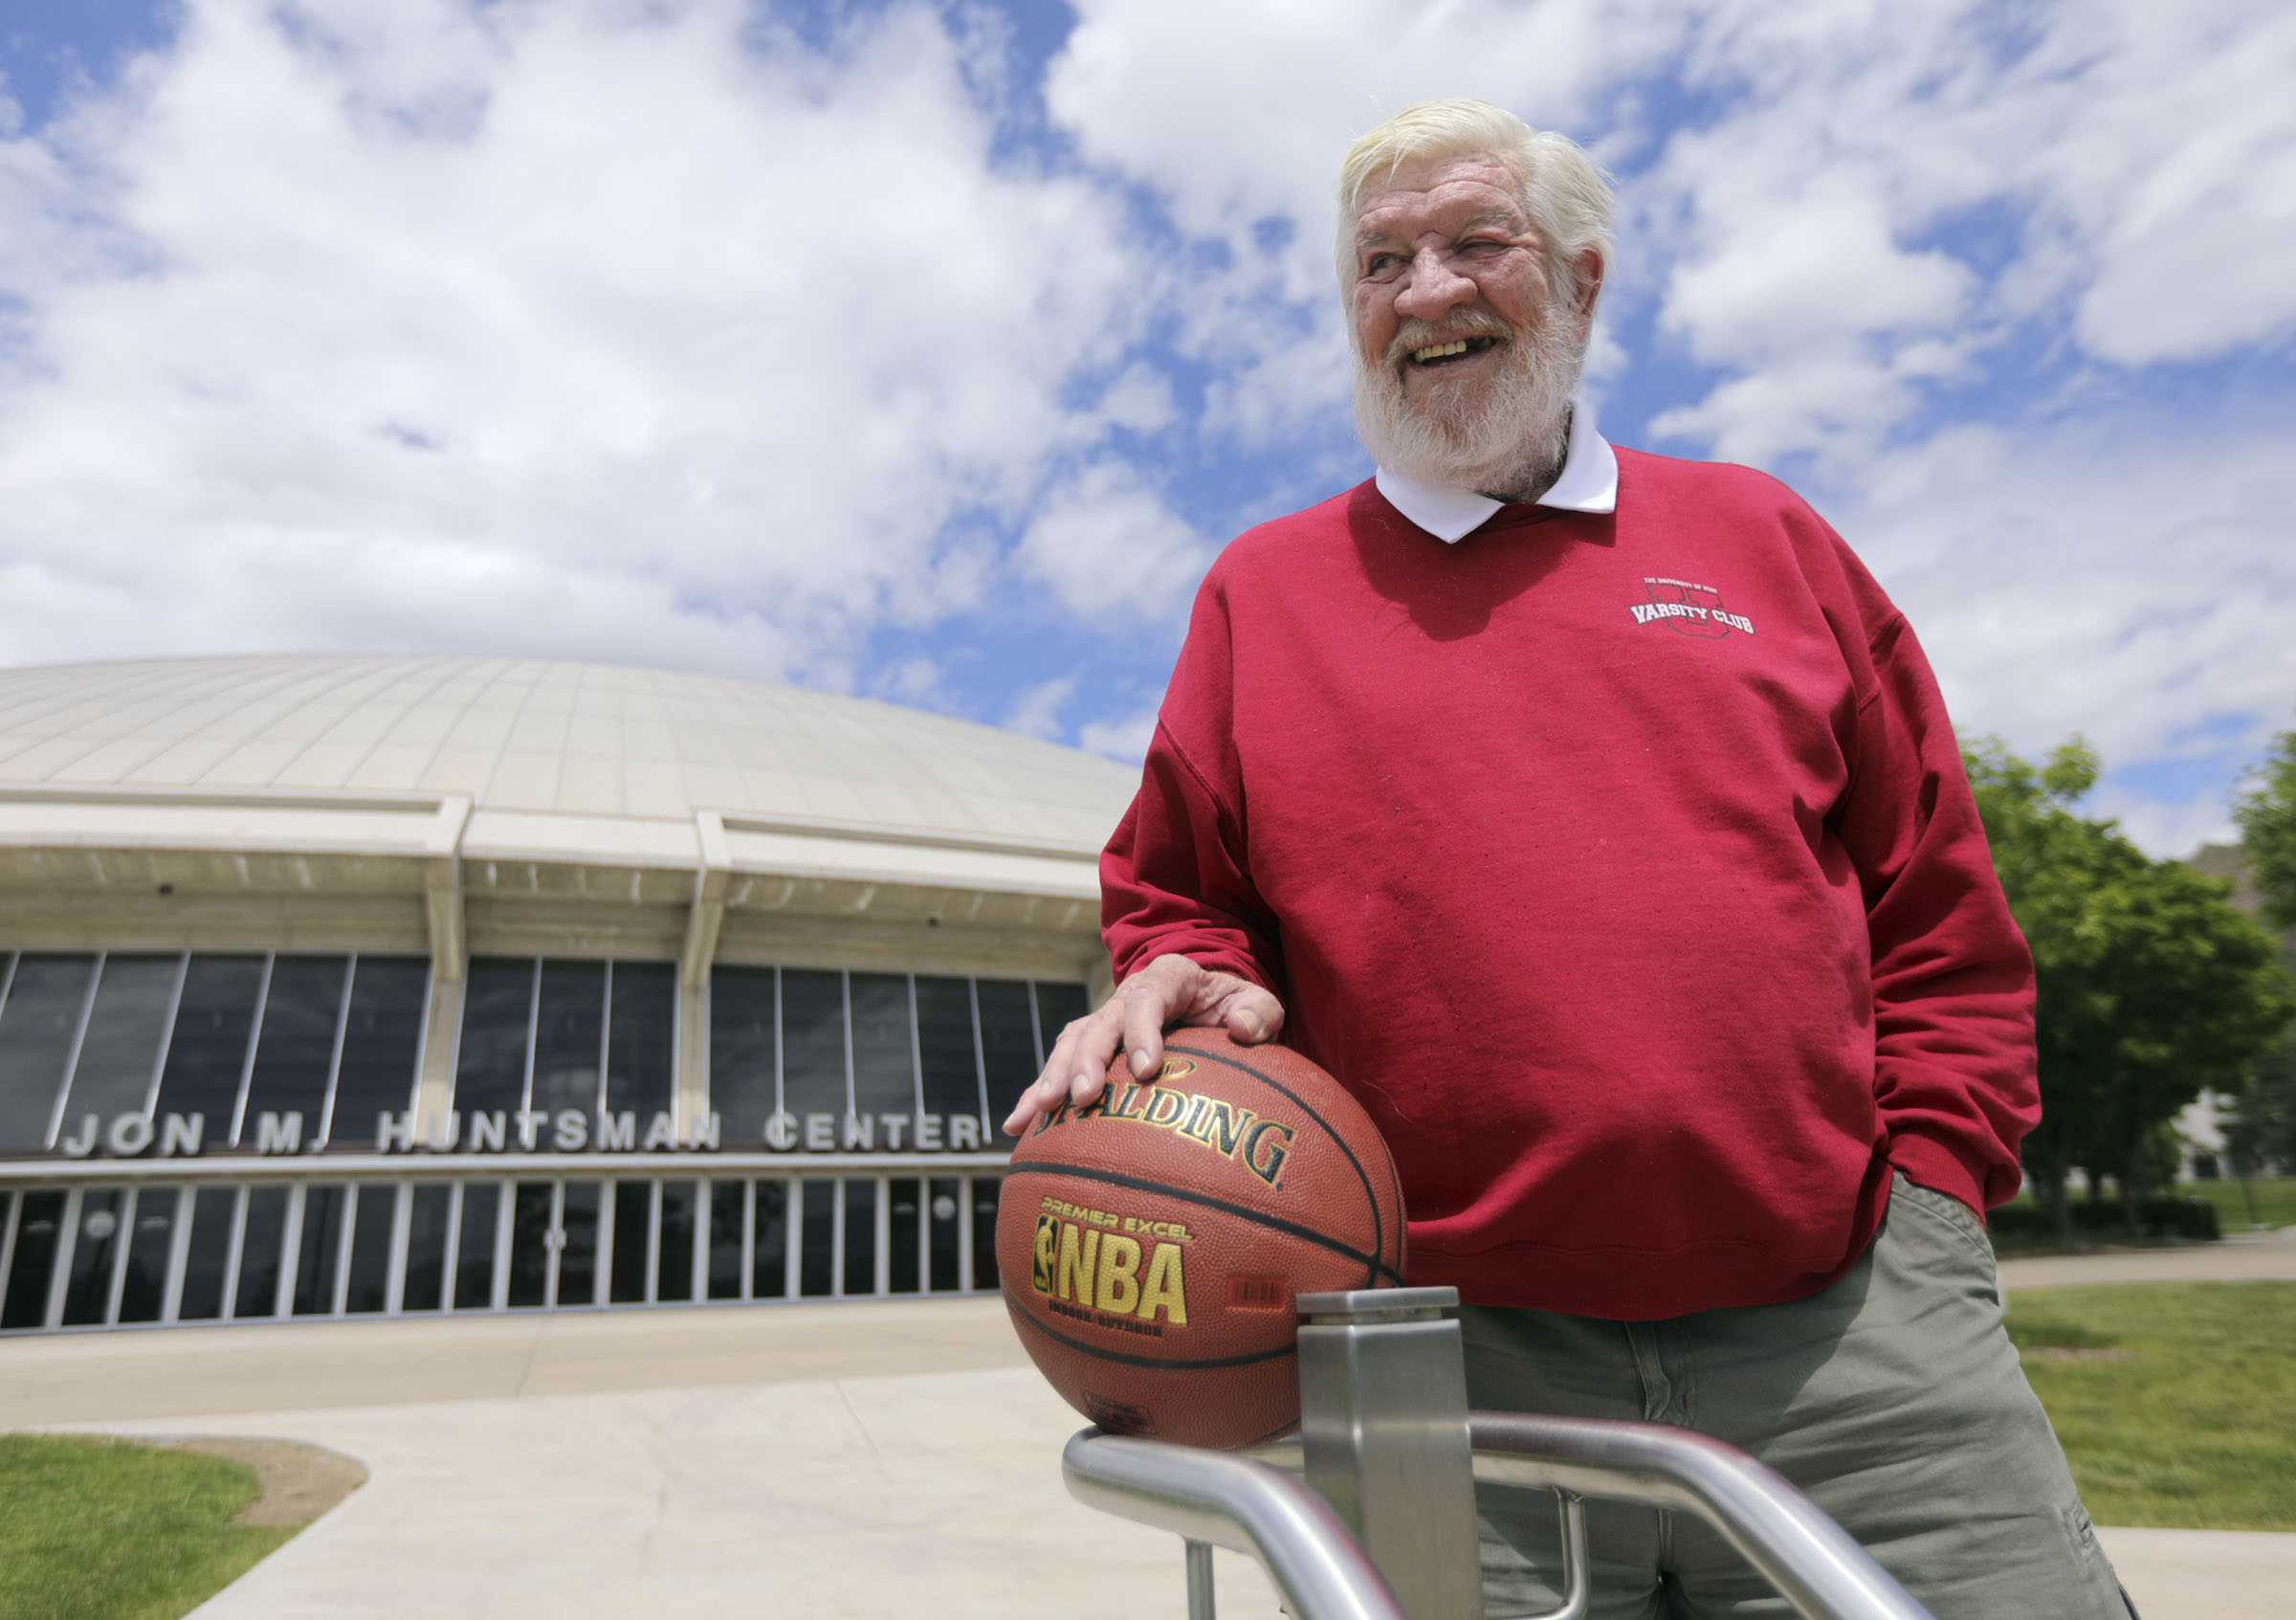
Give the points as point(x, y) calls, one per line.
point(931, 351)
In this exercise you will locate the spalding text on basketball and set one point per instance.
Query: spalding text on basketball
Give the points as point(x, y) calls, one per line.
point(1260, 1145)
point(1087, 1265)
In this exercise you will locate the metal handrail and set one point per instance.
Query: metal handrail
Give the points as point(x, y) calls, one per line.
point(1812, 1560)
point(1217, 1497)
point(1211, 1496)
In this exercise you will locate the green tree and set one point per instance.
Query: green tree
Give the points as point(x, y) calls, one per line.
point(2265, 809)
point(2262, 1135)
point(2150, 985)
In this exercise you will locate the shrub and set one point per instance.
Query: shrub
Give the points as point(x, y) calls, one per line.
point(2155, 1217)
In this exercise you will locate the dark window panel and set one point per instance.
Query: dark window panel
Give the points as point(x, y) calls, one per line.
point(295, 1052)
point(497, 1016)
point(1008, 1044)
point(569, 1036)
point(320, 1252)
point(530, 1241)
point(860, 1236)
point(1057, 1006)
point(743, 1083)
point(817, 1239)
point(884, 1056)
point(578, 1254)
point(945, 1044)
point(945, 1217)
point(88, 1290)
point(769, 1241)
point(640, 1053)
point(206, 1052)
point(120, 1055)
point(474, 1248)
point(812, 1042)
point(382, 1044)
point(725, 1239)
point(260, 1250)
point(32, 1266)
point(903, 1233)
point(37, 1025)
point(425, 1286)
point(633, 1237)
point(208, 1257)
point(368, 1289)
point(673, 1274)
point(150, 1243)
point(984, 1231)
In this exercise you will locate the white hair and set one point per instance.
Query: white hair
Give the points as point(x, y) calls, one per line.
point(1564, 193)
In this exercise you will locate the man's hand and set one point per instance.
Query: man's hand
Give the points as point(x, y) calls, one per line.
point(1170, 991)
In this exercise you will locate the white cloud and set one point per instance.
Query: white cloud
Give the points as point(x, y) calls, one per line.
point(1106, 544)
point(2141, 160)
point(1824, 257)
point(1126, 738)
point(2176, 169)
point(2164, 829)
point(408, 326)
point(1037, 712)
point(1832, 395)
point(2135, 584)
point(624, 330)
point(1140, 398)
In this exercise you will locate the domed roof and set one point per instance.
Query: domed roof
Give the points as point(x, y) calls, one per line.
point(545, 738)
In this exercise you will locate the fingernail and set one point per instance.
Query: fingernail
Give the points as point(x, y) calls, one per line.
point(1252, 1025)
point(1141, 1063)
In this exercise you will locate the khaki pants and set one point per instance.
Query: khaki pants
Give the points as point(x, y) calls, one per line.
point(1893, 1398)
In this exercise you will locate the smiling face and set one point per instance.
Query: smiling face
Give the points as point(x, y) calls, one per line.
point(1468, 339)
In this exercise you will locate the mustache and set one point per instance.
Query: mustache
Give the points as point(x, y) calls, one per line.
point(1415, 334)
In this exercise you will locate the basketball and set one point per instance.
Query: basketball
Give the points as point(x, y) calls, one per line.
point(1151, 1244)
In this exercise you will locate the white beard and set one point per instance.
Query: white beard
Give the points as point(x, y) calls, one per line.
point(1513, 446)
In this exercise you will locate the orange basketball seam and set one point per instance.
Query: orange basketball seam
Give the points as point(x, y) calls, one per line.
point(1164, 1363)
point(1141, 1183)
point(1379, 1235)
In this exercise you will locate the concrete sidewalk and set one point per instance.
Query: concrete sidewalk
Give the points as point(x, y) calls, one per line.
point(290, 1366)
point(881, 1497)
point(862, 1460)
point(2247, 1256)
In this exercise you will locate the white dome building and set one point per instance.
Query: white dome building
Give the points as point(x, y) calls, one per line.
point(390, 985)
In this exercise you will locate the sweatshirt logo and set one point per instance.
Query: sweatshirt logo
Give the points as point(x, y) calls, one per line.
point(1688, 609)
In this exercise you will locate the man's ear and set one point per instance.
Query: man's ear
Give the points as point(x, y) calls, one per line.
point(1586, 271)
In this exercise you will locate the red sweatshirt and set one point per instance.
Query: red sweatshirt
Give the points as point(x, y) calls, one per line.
point(1622, 865)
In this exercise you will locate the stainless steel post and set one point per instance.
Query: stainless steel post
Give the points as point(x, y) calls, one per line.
point(1382, 1396)
point(1201, 1603)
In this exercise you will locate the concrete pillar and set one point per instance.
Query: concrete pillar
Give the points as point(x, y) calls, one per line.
point(712, 879)
point(442, 1036)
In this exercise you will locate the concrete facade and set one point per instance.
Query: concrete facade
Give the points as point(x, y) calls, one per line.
point(314, 815)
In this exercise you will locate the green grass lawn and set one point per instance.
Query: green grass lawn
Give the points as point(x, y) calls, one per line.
point(2179, 1408)
point(2275, 1199)
point(94, 1529)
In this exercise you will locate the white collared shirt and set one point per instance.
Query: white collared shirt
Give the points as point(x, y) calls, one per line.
point(1589, 483)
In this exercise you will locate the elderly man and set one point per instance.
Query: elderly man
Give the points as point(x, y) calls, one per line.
point(1593, 817)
